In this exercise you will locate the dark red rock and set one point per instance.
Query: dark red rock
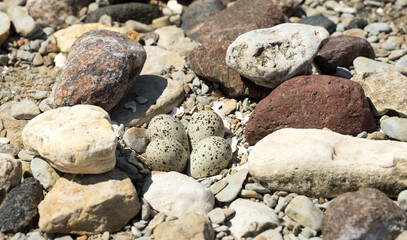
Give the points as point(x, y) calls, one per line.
point(209, 62)
point(101, 68)
point(365, 214)
point(242, 16)
point(54, 12)
point(314, 101)
point(197, 13)
point(340, 51)
point(141, 12)
point(19, 210)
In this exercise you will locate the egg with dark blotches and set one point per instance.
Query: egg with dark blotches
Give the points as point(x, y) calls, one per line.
point(210, 156)
point(164, 125)
point(166, 154)
point(204, 124)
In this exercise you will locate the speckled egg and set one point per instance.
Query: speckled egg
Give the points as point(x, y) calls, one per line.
point(166, 154)
point(164, 125)
point(210, 156)
point(204, 124)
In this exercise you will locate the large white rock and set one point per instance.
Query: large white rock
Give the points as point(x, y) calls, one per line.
point(251, 218)
point(89, 204)
point(386, 88)
point(4, 27)
point(176, 194)
point(77, 139)
point(323, 163)
point(270, 56)
point(10, 173)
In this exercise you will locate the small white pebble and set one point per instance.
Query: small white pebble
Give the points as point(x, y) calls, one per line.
point(4, 140)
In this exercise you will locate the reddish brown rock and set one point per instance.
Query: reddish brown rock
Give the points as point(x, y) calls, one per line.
point(209, 62)
point(365, 214)
point(101, 68)
point(54, 12)
point(241, 17)
point(314, 101)
point(340, 51)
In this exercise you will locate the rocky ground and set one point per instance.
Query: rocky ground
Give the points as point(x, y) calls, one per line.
point(205, 119)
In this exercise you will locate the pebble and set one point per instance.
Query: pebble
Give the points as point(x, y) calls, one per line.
point(257, 188)
point(44, 173)
point(136, 139)
point(25, 110)
point(377, 27)
point(25, 55)
point(320, 21)
point(4, 28)
point(217, 215)
point(24, 24)
point(35, 236)
point(302, 210)
point(401, 65)
point(232, 190)
point(395, 128)
point(218, 186)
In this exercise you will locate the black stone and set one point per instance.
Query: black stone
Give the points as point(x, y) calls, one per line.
point(19, 210)
point(320, 21)
point(357, 23)
point(141, 12)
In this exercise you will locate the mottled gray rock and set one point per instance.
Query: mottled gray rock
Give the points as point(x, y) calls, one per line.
point(217, 215)
point(232, 190)
point(44, 173)
point(10, 173)
point(270, 56)
point(304, 212)
point(136, 139)
point(363, 64)
point(25, 110)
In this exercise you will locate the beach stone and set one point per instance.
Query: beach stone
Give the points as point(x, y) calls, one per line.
point(136, 139)
point(340, 51)
point(44, 173)
point(313, 101)
point(401, 65)
point(13, 126)
point(9, 149)
point(217, 215)
point(4, 27)
point(363, 64)
point(53, 13)
point(18, 211)
point(396, 54)
point(268, 57)
point(92, 141)
point(322, 163)
point(141, 12)
point(365, 214)
point(23, 23)
point(10, 174)
point(355, 32)
point(159, 59)
point(232, 190)
point(402, 200)
point(188, 226)
point(209, 62)
point(395, 128)
point(25, 55)
point(320, 21)
point(76, 204)
point(67, 36)
point(25, 110)
point(197, 13)
point(273, 234)
point(163, 94)
point(379, 88)
point(357, 23)
point(173, 39)
point(171, 192)
point(251, 218)
point(378, 27)
point(243, 16)
point(302, 210)
point(85, 79)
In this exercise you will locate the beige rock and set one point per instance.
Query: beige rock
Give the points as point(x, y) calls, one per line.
point(323, 163)
point(387, 90)
point(302, 210)
point(162, 94)
point(13, 126)
point(10, 173)
point(356, 32)
point(363, 64)
point(4, 27)
point(77, 139)
point(190, 226)
point(176, 194)
point(229, 106)
point(89, 204)
point(173, 39)
point(67, 36)
point(158, 59)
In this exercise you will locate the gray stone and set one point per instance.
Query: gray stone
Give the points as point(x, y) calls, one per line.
point(25, 55)
point(10, 173)
point(217, 215)
point(3, 60)
point(396, 54)
point(251, 218)
point(304, 212)
point(23, 23)
point(395, 127)
point(128, 168)
point(138, 26)
point(1, 125)
point(377, 27)
point(44, 173)
point(26, 110)
point(9, 149)
point(402, 200)
point(35, 236)
point(271, 56)
point(363, 64)
point(38, 60)
point(136, 139)
point(256, 187)
point(401, 65)
point(232, 190)
point(4, 28)
point(218, 186)
point(18, 236)
point(281, 204)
